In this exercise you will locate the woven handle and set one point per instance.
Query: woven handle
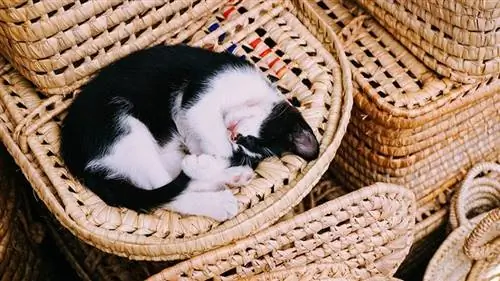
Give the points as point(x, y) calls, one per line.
point(484, 240)
point(475, 192)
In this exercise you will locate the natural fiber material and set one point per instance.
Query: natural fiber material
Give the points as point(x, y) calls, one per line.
point(20, 259)
point(463, 53)
point(409, 125)
point(267, 33)
point(472, 250)
point(314, 272)
point(363, 234)
point(58, 44)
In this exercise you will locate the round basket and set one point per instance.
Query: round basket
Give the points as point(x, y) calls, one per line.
point(465, 54)
point(409, 125)
point(364, 234)
point(58, 44)
point(472, 250)
point(266, 32)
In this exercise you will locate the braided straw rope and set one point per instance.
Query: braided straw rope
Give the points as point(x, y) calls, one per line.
point(266, 32)
point(58, 45)
point(462, 54)
point(363, 234)
point(472, 250)
point(409, 125)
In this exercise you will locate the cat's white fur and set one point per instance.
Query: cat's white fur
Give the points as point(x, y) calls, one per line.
point(239, 96)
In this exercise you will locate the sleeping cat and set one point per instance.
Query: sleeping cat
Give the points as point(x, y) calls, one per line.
point(170, 126)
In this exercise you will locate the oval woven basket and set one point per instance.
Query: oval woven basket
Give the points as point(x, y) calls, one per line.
point(58, 44)
point(462, 54)
point(472, 250)
point(266, 32)
point(409, 125)
point(363, 234)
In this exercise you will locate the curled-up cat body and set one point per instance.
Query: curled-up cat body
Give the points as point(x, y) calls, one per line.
point(171, 126)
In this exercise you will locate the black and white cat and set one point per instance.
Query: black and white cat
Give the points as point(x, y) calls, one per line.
point(126, 134)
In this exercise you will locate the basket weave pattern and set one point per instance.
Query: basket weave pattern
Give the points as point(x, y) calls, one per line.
point(464, 48)
point(409, 125)
point(266, 33)
point(58, 45)
point(363, 234)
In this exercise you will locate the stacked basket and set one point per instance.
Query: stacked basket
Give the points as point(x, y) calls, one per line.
point(409, 126)
point(459, 39)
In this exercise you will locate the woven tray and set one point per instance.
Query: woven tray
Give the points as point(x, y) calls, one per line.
point(362, 234)
point(326, 272)
point(58, 44)
point(263, 31)
point(453, 52)
point(472, 250)
point(20, 259)
point(426, 238)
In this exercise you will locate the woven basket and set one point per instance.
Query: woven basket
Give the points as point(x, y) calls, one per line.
point(326, 272)
point(268, 33)
point(409, 125)
point(463, 53)
point(20, 259)
point(58, 44)
point(363, 234)
point(472, 250)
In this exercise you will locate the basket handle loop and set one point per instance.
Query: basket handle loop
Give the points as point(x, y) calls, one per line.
point(475, 192)
point(484, 240)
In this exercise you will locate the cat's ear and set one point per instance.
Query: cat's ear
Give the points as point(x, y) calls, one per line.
point(304, 144)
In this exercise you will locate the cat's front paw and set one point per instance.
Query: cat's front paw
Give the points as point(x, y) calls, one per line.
point(227, 206)
point(204, 166)
point(238, 176)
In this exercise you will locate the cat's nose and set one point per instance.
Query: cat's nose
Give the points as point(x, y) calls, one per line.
point(239, 138)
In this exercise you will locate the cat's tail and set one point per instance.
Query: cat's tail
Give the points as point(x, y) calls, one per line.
point(122, 193)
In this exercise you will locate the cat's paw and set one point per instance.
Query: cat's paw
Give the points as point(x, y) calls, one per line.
point(238, 176)
point(227, 206)
point(204, 166)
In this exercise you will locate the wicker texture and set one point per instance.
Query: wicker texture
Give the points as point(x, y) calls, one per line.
point(464, 49)
point(58, 44)
point(409, 125)
point(326, 272)
point(267, 33)
point(472, 250)
point(363, 234)
point(20, 259)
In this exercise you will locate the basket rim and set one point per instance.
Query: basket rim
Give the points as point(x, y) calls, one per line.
point(101, 240)
point(392, 191)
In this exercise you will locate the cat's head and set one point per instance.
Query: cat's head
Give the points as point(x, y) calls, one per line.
point(282, 129)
